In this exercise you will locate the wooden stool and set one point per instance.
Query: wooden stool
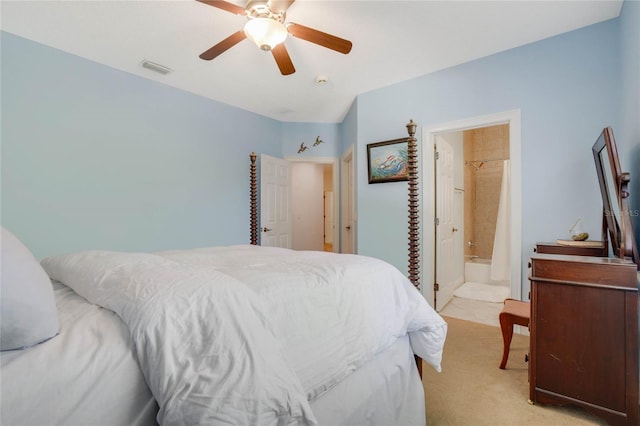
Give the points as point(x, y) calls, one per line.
point(514, 312)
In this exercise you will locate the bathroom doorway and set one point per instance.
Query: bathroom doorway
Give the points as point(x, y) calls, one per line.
point(474, 248)
point(482, 261)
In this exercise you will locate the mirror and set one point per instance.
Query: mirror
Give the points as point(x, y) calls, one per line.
point(611, 209)
point(613, 187)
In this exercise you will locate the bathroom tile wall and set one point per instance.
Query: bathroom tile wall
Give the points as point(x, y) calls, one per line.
point(484, 150)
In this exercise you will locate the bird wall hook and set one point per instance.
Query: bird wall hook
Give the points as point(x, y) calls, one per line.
point(303, 147)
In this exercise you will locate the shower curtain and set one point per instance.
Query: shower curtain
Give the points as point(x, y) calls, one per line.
point(500, 260)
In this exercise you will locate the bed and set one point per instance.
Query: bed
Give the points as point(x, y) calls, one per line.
point(240, 334)
point(298, 337)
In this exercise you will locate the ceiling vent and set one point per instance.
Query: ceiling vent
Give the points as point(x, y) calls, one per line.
point(156, 67)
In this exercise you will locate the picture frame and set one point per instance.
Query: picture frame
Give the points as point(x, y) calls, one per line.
point(387, 161)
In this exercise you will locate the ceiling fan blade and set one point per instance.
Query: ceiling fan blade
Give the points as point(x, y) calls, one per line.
point(225, 5)
point(318, 37)
point(283, 59)
point(278, 6)
point(223, 46)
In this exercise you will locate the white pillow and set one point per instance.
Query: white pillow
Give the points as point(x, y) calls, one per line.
point(28, 312)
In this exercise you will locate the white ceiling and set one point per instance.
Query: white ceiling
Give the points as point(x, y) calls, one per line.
point(393, 41)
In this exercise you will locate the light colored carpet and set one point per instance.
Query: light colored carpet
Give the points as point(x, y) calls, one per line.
point(471, 390)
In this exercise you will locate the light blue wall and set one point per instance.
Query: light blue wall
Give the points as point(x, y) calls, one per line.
point(567, 89)
point(628, 134)
point(296, 133)
point(95, 158)
point(349, 130)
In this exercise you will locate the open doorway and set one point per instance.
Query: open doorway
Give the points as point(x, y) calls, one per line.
point(472, 254)
point(314, 211)
point(446, 206)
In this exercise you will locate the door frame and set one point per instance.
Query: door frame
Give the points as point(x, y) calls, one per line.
point(334, 162)
point(348, 202)
point(512, 118)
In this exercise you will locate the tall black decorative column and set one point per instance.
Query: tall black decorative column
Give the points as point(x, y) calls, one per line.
point(414, 212)
point(253, 190)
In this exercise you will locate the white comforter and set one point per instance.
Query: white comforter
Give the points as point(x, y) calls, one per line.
point(248, 334)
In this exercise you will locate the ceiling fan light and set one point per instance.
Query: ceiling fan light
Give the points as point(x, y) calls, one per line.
point(266, 33)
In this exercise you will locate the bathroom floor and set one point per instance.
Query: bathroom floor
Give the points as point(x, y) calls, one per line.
point(473, 310)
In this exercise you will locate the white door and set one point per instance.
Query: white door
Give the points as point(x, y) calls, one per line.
point(458, 237)
point(347, 234)
point(328, 217)
point(275, 202)
point(445, 225)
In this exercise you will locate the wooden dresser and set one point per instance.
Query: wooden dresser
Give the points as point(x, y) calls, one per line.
point(584, 334)
point(553, 248)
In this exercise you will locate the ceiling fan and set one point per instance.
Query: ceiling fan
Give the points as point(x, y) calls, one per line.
point(266, 27)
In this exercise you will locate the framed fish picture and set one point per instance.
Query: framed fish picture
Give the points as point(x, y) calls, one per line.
point(388, 161)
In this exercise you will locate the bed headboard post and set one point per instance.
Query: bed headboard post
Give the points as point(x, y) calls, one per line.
point(254, 200)
point(414, 217)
